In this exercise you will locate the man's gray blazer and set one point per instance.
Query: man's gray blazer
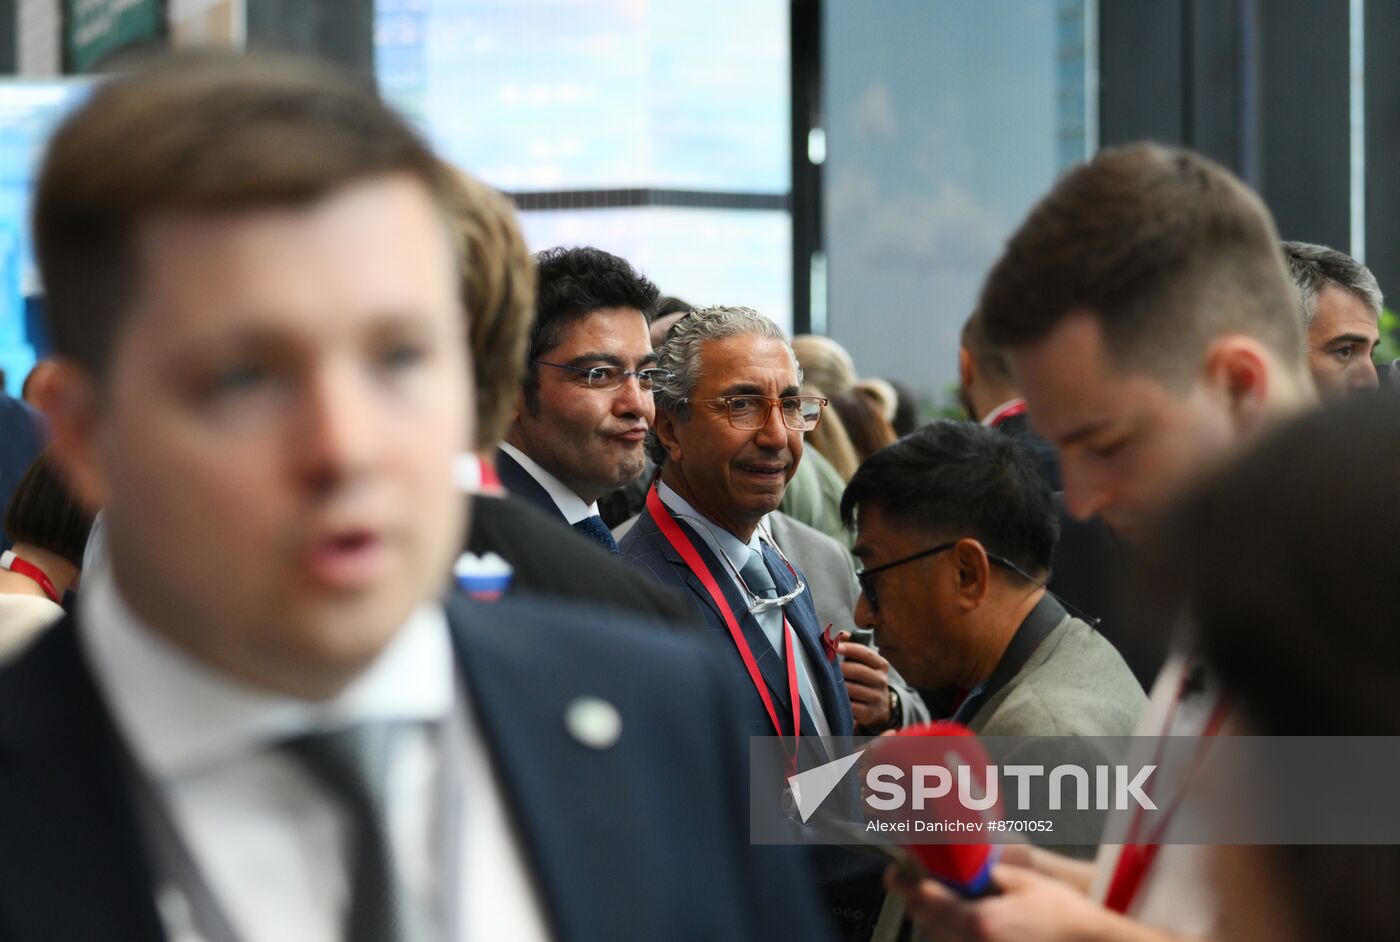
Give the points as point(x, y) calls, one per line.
point(1074, 684)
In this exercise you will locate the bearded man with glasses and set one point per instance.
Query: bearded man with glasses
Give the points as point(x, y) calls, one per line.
point(730, 421)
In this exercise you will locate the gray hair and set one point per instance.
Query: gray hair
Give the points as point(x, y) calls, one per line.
point(680, 354)
point(1314, 267)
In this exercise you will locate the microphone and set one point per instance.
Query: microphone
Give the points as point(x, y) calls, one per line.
point(964, 868)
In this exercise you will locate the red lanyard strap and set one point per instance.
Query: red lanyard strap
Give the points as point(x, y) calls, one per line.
point(13, 563)
point(686, 547)
point(1138, 855)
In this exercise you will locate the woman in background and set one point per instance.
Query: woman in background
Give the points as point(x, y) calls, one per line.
point(49, 531)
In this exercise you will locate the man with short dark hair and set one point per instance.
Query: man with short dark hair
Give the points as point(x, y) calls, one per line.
point(955, 532)
point(1151, 325)
point(585, 404)
point(1341, 305)
point(989, 396)
point(263, 722)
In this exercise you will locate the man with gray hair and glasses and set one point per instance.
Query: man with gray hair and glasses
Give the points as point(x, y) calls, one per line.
point(728, 435)
point(1341, 305)
point(730, 420)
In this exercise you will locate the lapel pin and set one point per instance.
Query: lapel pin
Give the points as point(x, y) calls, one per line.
point(484, 578)
point(593, 722)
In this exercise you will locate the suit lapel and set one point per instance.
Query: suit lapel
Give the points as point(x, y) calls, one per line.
point(769, 662)
point(520, 483)
point(826, 675)
point(74, 866)
point(549, 781)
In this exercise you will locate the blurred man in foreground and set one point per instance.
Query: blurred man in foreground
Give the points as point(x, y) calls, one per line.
point(262, 724)
point(1151, 325)
point(1330, 630)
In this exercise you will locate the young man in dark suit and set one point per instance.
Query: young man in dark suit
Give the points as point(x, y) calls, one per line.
point(262, 724)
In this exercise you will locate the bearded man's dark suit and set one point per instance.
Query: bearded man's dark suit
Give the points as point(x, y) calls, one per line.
point(663, 806)
point(851, 883)
point(22, 435)
point(646, 547)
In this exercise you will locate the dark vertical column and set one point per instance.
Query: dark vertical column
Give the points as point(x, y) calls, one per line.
point(341, 31)
point(1213, 67)
point(806, 66)
point(1304, 129)
point(9, 33)
point(1382, 146)
point(1141, 71)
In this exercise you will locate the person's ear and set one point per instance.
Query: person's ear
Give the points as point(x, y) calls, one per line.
point(1238, 373)
point(973, 573)
point(664, 425)
point(967, 369)
point(75, 425)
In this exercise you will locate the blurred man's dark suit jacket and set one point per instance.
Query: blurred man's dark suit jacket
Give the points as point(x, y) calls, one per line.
point(551, 559)
point(646, 839)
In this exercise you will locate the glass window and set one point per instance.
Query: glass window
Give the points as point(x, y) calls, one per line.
point(945, 121)
point(28, 113)
point(706, 256)
point(565, 102)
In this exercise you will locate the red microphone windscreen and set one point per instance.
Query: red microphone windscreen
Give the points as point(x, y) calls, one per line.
point(941, 770)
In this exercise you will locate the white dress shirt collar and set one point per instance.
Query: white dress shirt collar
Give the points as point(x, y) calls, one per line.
point(179, 715)
point(717, 538)
point(570, 504)
point(991, 418)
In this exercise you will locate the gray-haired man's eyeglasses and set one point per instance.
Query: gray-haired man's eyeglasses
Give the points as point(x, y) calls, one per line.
point(800, 413)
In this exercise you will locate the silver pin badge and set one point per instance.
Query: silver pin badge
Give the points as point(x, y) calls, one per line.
point(593, 722)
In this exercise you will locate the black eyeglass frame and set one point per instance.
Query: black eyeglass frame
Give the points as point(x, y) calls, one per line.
point(646, 378)
point(867, 583)
point(773, 403)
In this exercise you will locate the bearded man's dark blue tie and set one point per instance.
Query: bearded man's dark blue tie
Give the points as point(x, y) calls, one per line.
point(595, 529)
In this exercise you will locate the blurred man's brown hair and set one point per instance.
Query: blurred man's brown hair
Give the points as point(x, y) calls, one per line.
point(498, 293)
point(1166, 249)
point(201, 132)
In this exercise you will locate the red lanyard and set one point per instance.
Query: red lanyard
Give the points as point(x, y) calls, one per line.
point(1137, 856)
point(683, 545)
point(1011, 410)
point(13, 563)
